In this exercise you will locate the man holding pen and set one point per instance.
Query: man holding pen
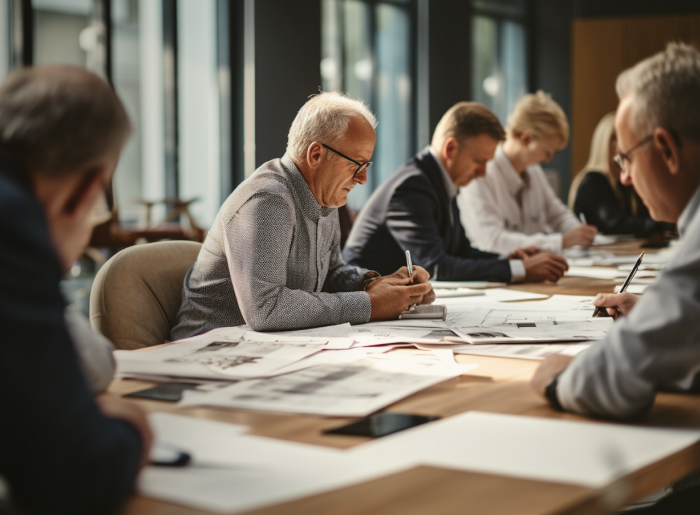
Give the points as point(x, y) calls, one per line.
point(272, 257)
point(654, 346)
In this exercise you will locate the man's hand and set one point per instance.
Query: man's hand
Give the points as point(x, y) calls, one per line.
point(392, 296)
point(420, 276)
point(544, 266)
point(547, 370)
point(582, 235)
point(616, 304)
point(117, 408)
point(524, 253)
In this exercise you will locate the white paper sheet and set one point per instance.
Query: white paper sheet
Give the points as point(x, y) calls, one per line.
point(475, 285)
point(607, 239)
point(637, 289)
point(401, 331)
point(494, 295)
point(214, 355)
point(580, 453)
point(538, 351)
point(592, 272)
point(557, 319)
point(346, 390)
point(232, 473)
point(448, 293)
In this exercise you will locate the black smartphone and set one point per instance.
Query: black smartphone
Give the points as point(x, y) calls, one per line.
point(381, 424)
point(171, 392)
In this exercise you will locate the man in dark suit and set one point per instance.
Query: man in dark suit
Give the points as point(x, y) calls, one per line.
point(416, 210)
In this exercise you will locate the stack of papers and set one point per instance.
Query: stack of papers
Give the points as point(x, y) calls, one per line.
point(354, 389)
point(561, 318)
point(344, 370)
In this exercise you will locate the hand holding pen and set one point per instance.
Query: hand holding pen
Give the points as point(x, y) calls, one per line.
point(624, 302)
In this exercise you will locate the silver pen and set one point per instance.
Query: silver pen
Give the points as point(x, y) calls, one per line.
point(582, 217)
point(409, 265)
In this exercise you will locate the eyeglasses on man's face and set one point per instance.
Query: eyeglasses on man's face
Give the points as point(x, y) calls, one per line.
point(622, 159)
point(361, 167)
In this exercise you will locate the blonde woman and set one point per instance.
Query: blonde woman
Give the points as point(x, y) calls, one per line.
point(513, 206)
point(598, 193)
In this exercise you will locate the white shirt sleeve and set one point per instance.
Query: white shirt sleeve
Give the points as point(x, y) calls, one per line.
point(94, 350)
point(485, 225)
point(517, 270)
point(559, 216)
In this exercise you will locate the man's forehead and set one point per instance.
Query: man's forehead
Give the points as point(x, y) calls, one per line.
point(482, 146)
point(622, 115)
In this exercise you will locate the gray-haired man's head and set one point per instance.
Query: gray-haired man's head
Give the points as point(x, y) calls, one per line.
point(331, 140)
point(658, 129)
point(57, 120)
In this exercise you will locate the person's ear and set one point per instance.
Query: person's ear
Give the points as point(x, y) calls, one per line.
point(450, 148)
point(86, 189)
point(314, 154)
point(668, 149)
point(526, 138)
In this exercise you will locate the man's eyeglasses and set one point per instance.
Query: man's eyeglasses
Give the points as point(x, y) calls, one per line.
point(623, 158)
point(361, 167)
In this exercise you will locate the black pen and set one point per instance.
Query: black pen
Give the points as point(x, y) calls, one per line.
point(627, 282)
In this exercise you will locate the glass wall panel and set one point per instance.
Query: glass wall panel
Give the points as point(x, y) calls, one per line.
point(198, 108)
point(514, 67)
point(4, 38)
point(62, 31)
point(137, 74)
point(499, 62)
point(486, 77)
point(332, 46)
point(367, 53)
point(394, 91)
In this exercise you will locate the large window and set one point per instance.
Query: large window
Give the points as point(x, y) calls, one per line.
point(499, 54)
point(162, 58)
point(367, 53)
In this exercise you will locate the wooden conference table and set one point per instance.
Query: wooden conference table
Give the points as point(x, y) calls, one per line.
point(499, 385)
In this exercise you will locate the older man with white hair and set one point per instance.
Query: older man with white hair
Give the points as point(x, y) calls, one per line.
point(272, 258)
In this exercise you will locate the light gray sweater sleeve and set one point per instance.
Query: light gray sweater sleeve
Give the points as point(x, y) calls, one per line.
point(94, 350)
point(657, 346)
point(257, 246)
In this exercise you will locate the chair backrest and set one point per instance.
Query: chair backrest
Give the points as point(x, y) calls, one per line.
point(137, 293)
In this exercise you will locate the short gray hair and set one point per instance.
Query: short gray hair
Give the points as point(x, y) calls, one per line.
point(324, 118)
point(59, 120)
point(666, 92)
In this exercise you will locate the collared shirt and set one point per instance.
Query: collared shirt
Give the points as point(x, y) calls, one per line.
point(517, 267)
point(272, 260)
point(656, 346)
point(505, 211)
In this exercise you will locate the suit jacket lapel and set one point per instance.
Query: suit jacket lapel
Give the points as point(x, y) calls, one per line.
point(449, 232)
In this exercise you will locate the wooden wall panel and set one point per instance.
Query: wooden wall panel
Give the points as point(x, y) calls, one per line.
point(597, 59)
point(601, 49)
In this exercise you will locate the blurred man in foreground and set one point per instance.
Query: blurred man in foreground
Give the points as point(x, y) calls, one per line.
point(61, 132)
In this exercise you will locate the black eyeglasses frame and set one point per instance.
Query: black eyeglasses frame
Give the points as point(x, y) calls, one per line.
point(361, 167)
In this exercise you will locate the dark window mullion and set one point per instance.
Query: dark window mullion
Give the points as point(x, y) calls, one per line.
point(21, 33)
point(170, 95)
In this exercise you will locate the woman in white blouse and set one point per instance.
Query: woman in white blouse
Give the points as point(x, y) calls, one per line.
point(514, 206)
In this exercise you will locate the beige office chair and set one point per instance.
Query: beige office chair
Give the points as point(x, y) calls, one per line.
point(137, 293)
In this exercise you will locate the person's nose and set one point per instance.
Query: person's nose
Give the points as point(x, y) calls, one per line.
point(626, 176)
point(361, 178)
